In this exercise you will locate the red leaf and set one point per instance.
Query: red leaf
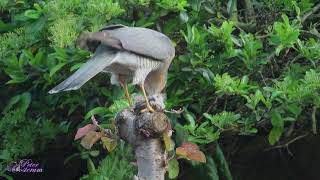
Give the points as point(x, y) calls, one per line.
point(85, 130)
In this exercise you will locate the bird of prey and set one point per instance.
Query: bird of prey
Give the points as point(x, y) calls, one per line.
point(131, 54)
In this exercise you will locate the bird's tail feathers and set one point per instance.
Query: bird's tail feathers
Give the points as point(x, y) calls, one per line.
point(87, 71)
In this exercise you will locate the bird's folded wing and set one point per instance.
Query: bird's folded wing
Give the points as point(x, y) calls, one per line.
point(144, 41)
point(141, 41)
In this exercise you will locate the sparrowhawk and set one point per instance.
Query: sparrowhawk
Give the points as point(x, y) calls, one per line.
point(131, 54)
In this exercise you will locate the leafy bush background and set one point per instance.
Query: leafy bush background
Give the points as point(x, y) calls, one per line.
point(242, 68)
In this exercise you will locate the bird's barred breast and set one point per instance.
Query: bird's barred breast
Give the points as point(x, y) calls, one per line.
point(132, 65)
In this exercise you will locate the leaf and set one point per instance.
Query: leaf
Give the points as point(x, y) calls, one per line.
point(184, 16)
point(21, 101)
point(76, 66)
point(168, 142)
point(85, 130)
point(222, 164)
point(91, 167)
point(212, 169)
point(230, 6)
point(276, 119)
point(181, 134)
point(109, 144)
point(188, 116)
point(90, 138)
point(275, 135)
point(191, 151)
point(33, 14)
point(294, 109)
point(94, 153)
point(56, 68)
point(173, 168)
point(97, 110)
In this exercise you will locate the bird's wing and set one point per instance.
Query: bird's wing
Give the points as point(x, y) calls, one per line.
point(102, 58)
point(139, 40)
point(143, 41)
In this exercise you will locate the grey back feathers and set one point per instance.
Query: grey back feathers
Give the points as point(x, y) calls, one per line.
point(143, 41)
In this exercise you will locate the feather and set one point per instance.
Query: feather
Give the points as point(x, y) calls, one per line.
point(102, 58)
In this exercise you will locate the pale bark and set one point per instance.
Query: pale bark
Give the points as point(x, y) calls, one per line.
point(143, 131)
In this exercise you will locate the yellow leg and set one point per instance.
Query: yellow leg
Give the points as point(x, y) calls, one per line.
point(148, 106)
point(124, 84)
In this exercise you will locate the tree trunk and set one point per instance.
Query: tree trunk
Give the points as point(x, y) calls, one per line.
point(144, 131)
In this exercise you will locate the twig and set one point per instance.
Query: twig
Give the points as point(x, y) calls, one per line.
point(288, 143)
point(312, 11)
point(173, 111)
point(314, 120)
point(311, 33)
point(264, 82)
point(209, 108)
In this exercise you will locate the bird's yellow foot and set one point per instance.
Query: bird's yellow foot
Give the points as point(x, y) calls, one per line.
point(131, 108)
point(148, 109)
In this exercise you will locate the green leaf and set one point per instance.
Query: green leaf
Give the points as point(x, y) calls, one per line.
point(230, 6)
point(33, 14)
point(97, 110)
point(184, 16)
point(168, 142)
point(21, 101)
point(90, 166)
point(278, 125)
point(275, 135)
point(276, 119)
point(76, 66)
point(56, 68)
point(173, 168)
point(109, 144)
point(212, 168)
point(94, 153)
point(181, 134)
point(294, 109)
point(222, 163)
point(188, 116)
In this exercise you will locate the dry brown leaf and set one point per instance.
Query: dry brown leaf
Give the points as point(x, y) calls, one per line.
point(90, 138)
point(197, 156)
point(84, 130)
point(191, 151)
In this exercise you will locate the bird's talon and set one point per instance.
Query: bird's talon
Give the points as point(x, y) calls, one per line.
point(148, 109)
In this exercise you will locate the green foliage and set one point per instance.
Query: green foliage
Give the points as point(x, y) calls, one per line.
point(225, 84)
point(63, 37)
point(310, 50)
point(285, 34)
point(234, 72)
point(173, 4)
point(224, 119)
point(115, 166)
point(223, 36)
point(251, 49)
point(21, 135)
